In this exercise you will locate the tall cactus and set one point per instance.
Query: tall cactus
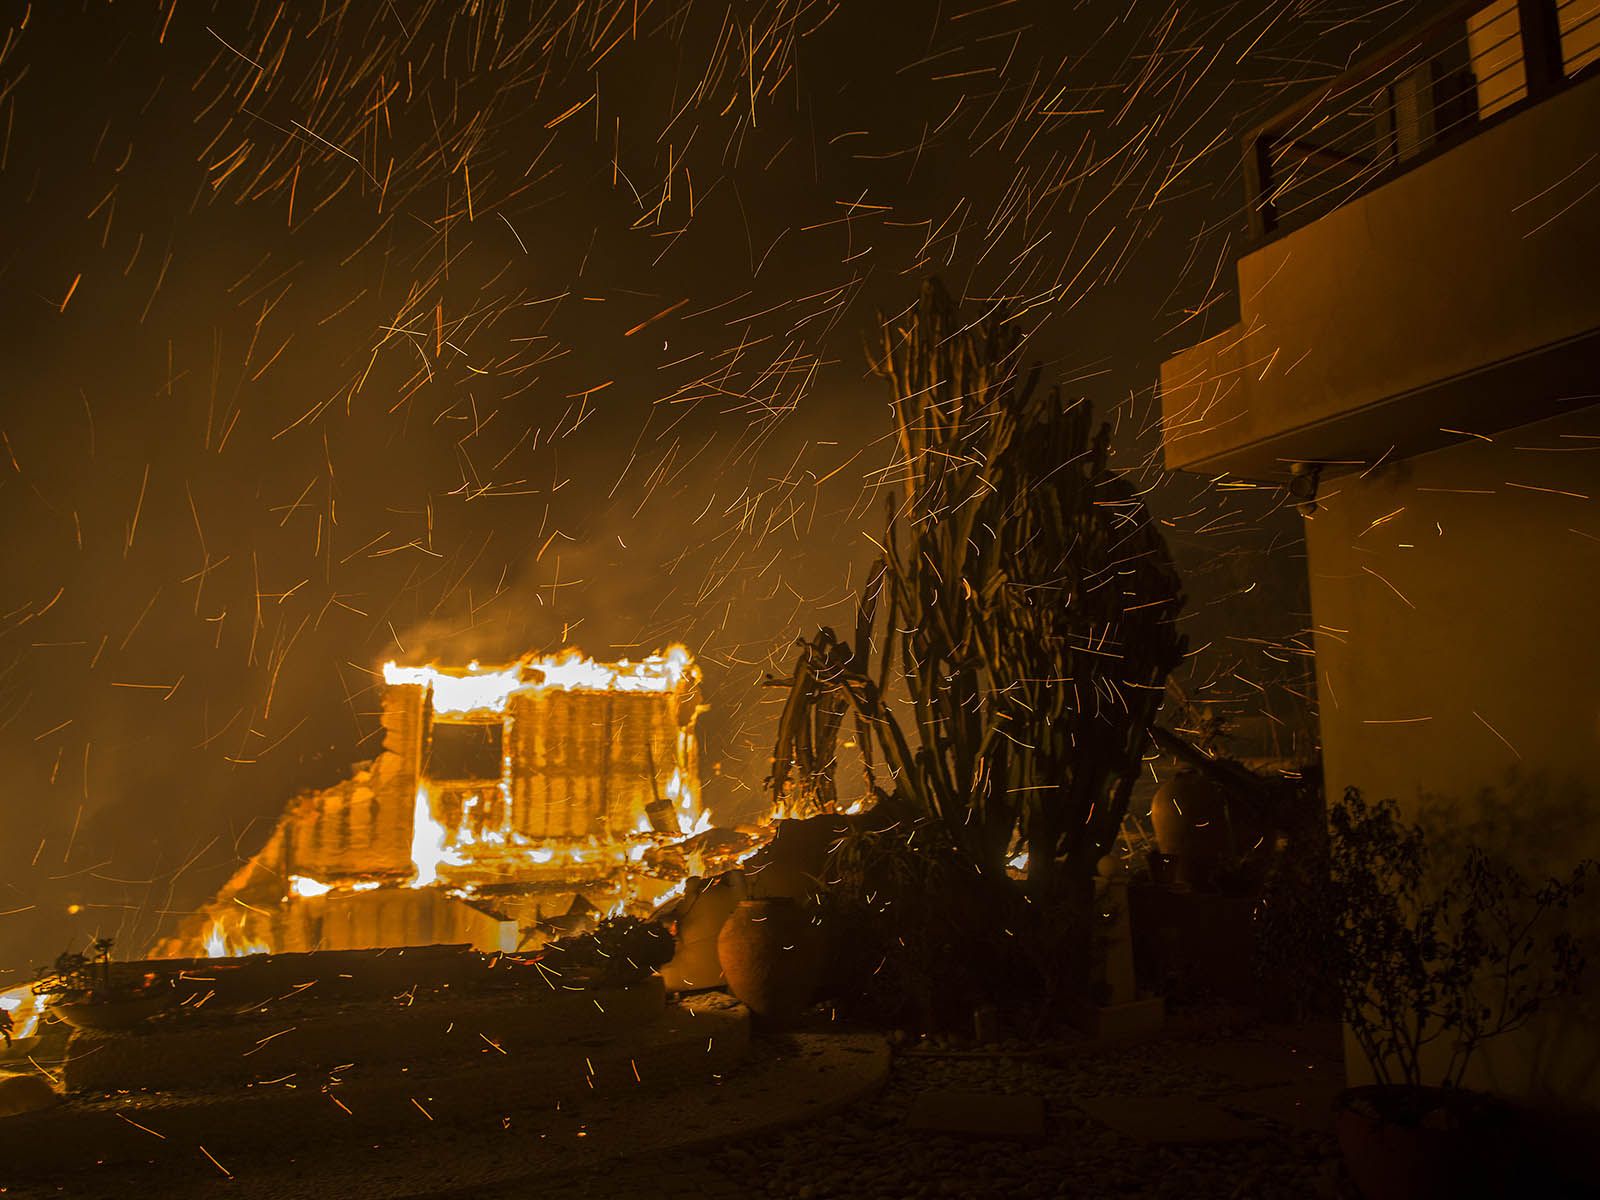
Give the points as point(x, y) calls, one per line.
point(1027, 601)
point(1023, 610)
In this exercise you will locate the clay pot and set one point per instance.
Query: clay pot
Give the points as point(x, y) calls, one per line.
point(1192, 828)
point(771, 954)
point(695, 965)
point(1417, 1143)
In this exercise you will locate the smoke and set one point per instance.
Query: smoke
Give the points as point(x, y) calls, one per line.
point(548, 343)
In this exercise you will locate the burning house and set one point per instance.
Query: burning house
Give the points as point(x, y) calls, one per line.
point(506, 804)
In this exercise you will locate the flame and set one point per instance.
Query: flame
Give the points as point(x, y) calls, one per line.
point(1019, 862)
point(427, 841)
point(749, 854)
point(465, 835)
point(220, 944)
point(487, 689)
point(474, 691)
point(672, 893)
point(25, 1009)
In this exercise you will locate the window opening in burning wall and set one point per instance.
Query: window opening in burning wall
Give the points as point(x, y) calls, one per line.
point(466, 751)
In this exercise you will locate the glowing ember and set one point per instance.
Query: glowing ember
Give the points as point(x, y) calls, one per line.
point(299, 885)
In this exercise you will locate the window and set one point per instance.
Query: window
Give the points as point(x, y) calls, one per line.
point(1580, 34)
point(464, 751)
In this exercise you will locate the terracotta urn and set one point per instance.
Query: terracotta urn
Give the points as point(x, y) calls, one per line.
point(771, 955)
point(1192, 828)
point(695, 965)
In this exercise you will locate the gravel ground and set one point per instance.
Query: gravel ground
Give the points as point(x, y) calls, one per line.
point(869, 1152)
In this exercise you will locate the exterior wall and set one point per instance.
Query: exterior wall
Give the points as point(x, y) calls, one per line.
point(1368, 329)
point(588, 764)
point(1454, 596)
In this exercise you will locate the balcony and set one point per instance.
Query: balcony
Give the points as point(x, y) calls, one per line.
point(1424, 257)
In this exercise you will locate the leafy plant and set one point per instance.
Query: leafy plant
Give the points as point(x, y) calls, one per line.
point(79, 977)
point(1427, 955)
point(1296, 924)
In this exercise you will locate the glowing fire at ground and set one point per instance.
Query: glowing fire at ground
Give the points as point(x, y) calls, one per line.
point(222, 944)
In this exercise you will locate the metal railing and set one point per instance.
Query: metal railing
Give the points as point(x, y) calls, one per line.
point(1416, 97)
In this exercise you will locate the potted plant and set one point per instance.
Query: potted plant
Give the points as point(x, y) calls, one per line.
point(1432, 963)
point(83, 991)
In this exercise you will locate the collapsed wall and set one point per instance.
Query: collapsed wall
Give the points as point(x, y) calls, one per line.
point(504, 802)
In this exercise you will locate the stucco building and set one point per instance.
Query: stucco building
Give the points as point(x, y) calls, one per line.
point(1417, 357)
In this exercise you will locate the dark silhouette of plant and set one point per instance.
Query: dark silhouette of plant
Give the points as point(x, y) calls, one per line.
point(918, 936)
point(805, 756)
point(1425, 955)
point(1021, 616)
point(77, 977)
point(1296, 922)
point(1030, 598)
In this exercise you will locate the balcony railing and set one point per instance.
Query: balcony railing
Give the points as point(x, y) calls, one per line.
point(1418, 96)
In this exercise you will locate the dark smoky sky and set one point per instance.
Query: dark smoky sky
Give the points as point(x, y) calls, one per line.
point(342, 331)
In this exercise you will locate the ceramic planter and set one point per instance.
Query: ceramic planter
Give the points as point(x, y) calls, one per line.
point(771, 955)
point(1418, 1143)
point(695, 966)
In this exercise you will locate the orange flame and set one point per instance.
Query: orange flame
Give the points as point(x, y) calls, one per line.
point(25, 1009)
point(487, 689)
point(221, 944)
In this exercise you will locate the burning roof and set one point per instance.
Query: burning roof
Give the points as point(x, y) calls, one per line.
point(476, 688)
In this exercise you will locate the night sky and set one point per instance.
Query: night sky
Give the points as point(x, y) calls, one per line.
point(345, 331)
